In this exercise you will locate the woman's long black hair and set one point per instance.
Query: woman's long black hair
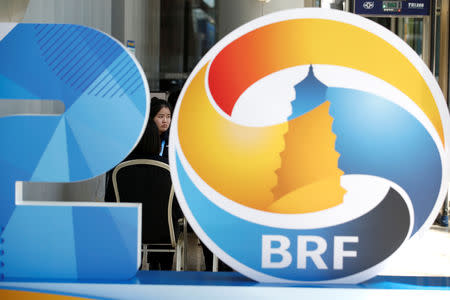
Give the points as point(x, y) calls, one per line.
point(156, 105)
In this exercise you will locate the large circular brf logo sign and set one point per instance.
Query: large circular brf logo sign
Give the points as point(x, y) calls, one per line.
point(308, 146)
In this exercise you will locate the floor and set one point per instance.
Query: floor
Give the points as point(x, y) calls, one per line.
point(428, 255)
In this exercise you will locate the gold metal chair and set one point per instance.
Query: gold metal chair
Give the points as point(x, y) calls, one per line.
point(148, 182)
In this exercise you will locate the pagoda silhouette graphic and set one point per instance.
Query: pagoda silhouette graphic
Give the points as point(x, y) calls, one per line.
point(309, 177)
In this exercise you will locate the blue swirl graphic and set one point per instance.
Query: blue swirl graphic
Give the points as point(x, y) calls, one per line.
point(377, 137)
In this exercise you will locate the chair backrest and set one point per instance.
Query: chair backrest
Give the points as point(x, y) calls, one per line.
point(148, 182)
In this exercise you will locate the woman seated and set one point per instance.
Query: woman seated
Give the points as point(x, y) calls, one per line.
point(153, 143)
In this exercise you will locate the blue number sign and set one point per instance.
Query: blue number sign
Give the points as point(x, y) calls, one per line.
point(106, 98)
